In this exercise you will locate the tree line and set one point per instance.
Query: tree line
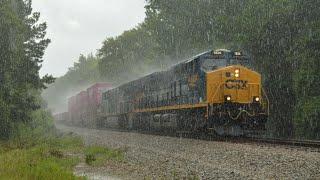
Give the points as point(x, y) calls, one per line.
point(282, 37)
point(22, 45)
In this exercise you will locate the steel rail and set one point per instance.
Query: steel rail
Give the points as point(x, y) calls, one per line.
point(289, 142)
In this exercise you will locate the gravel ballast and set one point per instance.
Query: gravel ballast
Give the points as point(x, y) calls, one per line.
point(161, 157)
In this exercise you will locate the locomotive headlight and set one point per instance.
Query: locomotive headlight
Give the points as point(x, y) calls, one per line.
point(237, 53)
point(227, 98)
point(237, 73)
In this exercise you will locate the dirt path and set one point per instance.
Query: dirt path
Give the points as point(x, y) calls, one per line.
point(157, 157)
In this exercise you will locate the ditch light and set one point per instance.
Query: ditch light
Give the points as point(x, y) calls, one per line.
point(227, 98)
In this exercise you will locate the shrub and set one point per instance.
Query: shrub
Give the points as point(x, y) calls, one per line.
point(98, 155)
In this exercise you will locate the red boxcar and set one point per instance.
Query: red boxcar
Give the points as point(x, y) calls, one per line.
point(83, 107)
point(94, 101)
point(95, 93)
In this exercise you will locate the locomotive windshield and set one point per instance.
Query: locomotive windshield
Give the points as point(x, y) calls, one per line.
point(223, 59)
point(212, 64)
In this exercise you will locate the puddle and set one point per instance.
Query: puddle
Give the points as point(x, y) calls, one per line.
point(93, 173)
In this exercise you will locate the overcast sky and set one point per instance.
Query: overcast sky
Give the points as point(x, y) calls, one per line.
point(80, 26)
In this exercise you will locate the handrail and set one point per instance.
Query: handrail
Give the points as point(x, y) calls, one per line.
point(268, 102)
point(217, 90)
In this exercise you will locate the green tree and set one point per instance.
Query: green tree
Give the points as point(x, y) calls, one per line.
point(127, 56)
point(186, 27)
point(22, 46)
point(307, 75)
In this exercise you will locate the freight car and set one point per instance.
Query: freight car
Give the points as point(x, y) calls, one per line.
point(94, 101)
point(214, 91)
point(83, 108)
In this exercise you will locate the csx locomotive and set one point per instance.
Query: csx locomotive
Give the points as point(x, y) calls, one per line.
point(215, 91)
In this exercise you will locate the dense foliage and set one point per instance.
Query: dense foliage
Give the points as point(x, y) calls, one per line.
point(22, 46)
point(282, 37)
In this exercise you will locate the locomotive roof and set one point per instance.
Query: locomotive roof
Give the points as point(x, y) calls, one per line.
point(206, 53)
point(194, 58)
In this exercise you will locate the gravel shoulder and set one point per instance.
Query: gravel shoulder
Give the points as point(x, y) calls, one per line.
point(160, 157)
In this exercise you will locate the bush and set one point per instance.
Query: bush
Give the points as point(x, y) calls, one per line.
point(27, 135)
point(90, 158)
point(98, 155)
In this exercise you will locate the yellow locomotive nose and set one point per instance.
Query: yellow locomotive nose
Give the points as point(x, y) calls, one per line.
point(235, 84)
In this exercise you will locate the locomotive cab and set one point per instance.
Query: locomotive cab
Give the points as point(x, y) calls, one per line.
point(223, 58)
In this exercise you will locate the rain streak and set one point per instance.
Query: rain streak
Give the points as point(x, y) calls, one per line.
point(193, 89)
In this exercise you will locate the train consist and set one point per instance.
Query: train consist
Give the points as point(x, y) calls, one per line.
point(215, 91)
point(83, 108)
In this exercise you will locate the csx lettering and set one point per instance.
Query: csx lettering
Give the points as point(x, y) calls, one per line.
point(236, 84)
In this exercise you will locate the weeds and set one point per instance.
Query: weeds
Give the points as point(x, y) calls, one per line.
point(45, 160)
point(90, 158)
point(50, 158)
point(96, 156)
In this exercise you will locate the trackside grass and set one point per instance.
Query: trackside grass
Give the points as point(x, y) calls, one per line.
point(45, 160)
point(51, 158)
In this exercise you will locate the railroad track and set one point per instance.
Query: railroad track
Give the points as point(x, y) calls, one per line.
point(288, 142)
point(212, 137)
point(271, 141)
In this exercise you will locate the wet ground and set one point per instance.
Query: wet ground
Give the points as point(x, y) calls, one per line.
point(160, 157)
point(93, 173)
